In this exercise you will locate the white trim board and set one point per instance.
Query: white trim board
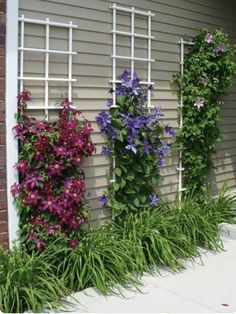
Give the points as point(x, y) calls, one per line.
point(11, 110)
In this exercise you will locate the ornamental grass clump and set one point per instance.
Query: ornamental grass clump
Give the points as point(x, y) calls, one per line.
point(28, 283)
point(50, 195)
point(115, 255)
point(135, 139)
point(209, 70)
point(102, 261)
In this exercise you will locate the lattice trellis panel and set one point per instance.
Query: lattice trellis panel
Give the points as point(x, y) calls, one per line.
point(48, 55)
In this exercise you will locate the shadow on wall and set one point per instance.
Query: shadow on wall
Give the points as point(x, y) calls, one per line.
point(225, 157)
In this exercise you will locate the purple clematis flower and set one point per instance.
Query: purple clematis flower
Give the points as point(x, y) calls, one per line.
point(154, 200)
point(161, 163)
point(103, 200)
point(103, 119)
point(106, 151)
point(161, 152)
point(156, 114)
point(169, 130)
point(109, 102)
point(131, 147)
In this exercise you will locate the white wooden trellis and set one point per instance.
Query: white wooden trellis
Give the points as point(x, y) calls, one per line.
point(133, 12)
point(180, 168)
point(47, 51)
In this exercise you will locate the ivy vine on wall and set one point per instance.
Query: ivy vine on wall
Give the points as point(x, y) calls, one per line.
point(208, 71)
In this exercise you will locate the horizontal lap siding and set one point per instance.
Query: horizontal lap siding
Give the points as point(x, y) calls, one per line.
point(93, 69)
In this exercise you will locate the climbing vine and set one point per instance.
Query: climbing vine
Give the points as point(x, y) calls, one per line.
point(134, 138)
point(50, 195)
point(208, 71)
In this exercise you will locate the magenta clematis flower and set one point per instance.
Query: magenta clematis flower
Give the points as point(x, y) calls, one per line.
point(40, 244)
point(24, 96)
point(87, 129)
point(199, 103)
point(33, 181)
point(22, 166)
point(55, 169)
point(52, 205)
point(33, 197)
point(40, 126)
point(32, 236)
point(15, 189)
point(52, 231)
point(20, 131)
point(74, 224)
point(60, 151)
point(73, 243)
point(38, 222)
point(208, 39)
point(76, 161)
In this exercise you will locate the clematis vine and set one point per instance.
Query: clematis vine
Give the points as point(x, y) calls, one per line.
point(50, 195)
point(134, 139)
point(209, 70)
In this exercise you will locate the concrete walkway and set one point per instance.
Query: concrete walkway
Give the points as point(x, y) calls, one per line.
point(207, 286)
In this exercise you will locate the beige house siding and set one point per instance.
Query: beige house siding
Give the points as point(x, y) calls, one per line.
point(92, 67)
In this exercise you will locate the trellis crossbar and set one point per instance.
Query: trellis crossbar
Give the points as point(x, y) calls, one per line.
point(47, 51)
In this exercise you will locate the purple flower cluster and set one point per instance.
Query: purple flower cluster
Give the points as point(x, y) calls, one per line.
point(134, 137)
point(51, 184)
point(104, 121)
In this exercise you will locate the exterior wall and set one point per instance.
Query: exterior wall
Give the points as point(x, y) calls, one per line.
point(93, 69)
point(3, 193)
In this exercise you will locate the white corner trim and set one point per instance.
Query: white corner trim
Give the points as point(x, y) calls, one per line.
point(11, 110)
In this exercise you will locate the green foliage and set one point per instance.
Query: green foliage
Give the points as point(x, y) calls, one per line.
point(135, 139)
point(102, 261)
point(115, 254)
point(208, 71)
point(28, 283)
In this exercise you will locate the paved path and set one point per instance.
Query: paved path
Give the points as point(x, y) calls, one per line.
point(207, 286)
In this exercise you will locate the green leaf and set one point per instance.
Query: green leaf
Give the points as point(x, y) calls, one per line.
point(120, 100)
point(118, 172)
point(137, 167)
point(136, 202)
point(116, 186)
point(117, 123)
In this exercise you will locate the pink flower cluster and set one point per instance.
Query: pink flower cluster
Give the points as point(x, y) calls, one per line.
point(51, 192)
